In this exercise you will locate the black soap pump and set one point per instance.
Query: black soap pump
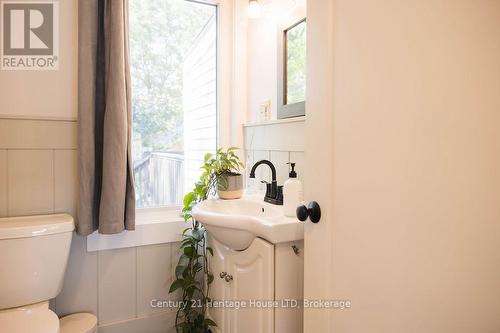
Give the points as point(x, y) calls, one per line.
point(292, 173)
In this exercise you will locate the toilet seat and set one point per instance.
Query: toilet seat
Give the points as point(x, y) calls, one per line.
point(78, 323)
point(29, 319)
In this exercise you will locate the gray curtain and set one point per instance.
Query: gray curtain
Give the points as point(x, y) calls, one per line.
point(106, 186)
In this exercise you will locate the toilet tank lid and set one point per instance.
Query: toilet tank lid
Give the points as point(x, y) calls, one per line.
point(34, 226)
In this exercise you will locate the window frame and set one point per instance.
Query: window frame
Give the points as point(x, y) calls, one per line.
point(158, 225)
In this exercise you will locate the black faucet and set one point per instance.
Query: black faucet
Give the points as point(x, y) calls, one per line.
point(274, 193)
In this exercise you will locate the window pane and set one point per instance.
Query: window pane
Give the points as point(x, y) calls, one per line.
point(174, 95)
point(296, 64)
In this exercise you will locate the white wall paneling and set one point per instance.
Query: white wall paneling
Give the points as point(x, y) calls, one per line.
point(283, 135)
point(65, 181)
point(37, 134)
point(117, 280)
point(280, 142)
point(280, 159)
point(153, 280)
point(263, 173)
point(30, 181)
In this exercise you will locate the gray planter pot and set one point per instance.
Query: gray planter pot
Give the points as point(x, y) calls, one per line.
point(230, 187)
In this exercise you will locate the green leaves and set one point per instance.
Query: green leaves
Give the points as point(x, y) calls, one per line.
point(215, 169)
point(188, 272)
point(198, 234)
point(227, 162)
point(189, 198)
point(207, 157)
point(176, 285)
point(179, 272)
point(192, 273)
point(189, 251)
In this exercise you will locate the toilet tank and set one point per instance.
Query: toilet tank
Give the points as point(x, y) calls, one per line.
point(34, 253)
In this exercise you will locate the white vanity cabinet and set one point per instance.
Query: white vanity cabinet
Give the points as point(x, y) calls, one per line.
point(248, 282)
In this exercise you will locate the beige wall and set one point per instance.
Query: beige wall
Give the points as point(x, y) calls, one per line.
point(46, 94)
point(416, 227)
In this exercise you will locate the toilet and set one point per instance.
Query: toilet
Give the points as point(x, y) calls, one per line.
point(34, 252)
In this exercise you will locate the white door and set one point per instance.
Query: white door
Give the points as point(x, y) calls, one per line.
point(318, 181)
point(245, 276)
point(403, 156)
point(252, 273)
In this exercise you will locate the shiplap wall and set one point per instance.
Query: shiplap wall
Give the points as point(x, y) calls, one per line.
point(200, 101)
point(38, 175)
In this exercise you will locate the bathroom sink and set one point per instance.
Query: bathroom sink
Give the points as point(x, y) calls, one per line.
point(236, 223)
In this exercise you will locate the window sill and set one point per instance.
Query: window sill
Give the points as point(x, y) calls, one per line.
point(153, 226)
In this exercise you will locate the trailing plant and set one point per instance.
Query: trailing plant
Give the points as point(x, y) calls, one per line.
point(193, 276)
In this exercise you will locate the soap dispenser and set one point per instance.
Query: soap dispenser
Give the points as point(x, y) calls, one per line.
point(292, 193)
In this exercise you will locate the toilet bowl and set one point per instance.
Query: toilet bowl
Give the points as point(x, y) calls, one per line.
point(34, 251)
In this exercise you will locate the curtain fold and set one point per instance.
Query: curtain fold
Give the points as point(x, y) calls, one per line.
point(106, 190)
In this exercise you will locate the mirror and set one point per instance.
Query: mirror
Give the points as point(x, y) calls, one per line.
point(292, 77)
point(295, 64)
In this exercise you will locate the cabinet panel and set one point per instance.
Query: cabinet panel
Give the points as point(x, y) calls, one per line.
point(253, 280)
point(219, 289)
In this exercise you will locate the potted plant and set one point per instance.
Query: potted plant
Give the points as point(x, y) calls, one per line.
point(192, 273)
point(229, 180)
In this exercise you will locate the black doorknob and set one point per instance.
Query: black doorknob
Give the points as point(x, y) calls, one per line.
point(313, 211)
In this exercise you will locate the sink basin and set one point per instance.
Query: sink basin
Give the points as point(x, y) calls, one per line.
point(236, 223)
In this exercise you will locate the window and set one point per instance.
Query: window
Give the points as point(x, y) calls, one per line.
point(173, 46)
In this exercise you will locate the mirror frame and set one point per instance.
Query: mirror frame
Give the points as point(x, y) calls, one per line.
point(286, 110)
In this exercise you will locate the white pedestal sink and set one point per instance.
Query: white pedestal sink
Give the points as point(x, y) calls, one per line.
point(236, 223)
point(258, 254)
